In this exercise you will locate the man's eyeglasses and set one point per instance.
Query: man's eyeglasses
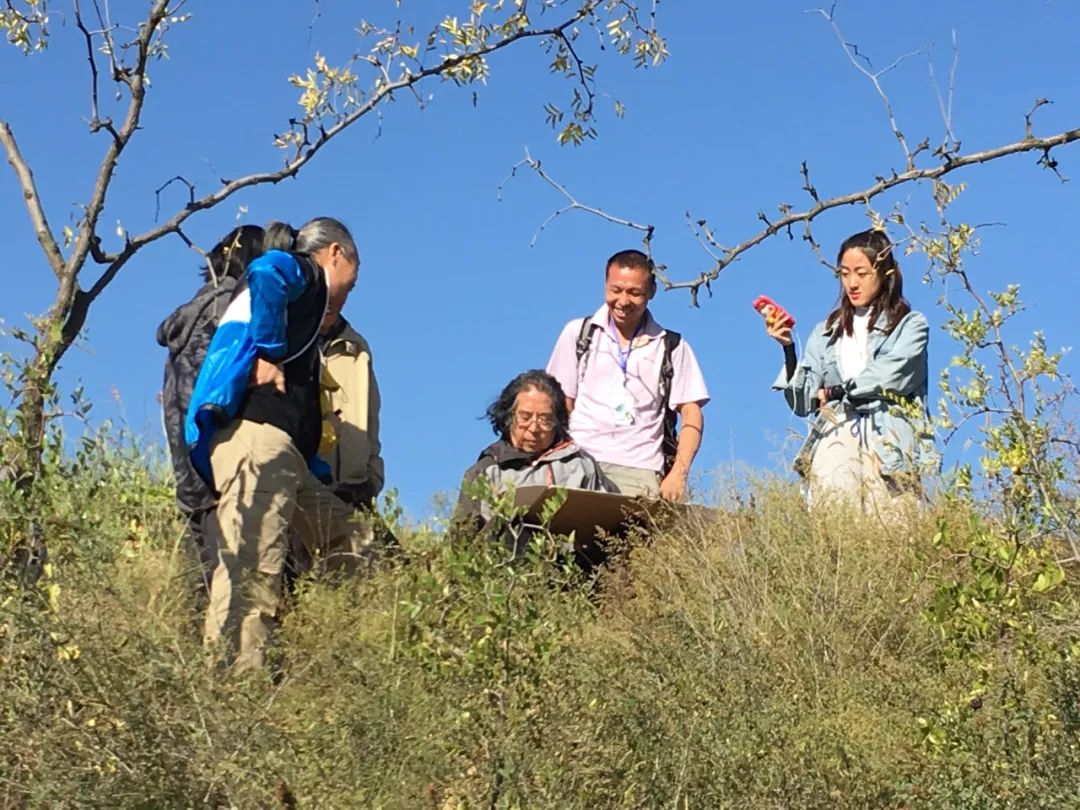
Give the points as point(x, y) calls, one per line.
point(544, 421)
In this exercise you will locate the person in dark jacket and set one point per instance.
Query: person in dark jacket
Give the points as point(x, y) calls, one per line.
point(186, 333)
point(253, 430)
point(534, 448)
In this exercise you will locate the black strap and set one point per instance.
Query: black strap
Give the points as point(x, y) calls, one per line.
point(667, 366)
point(584, 340)
point(670, 443)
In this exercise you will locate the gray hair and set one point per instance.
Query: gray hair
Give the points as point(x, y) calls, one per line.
point(311, 238)
point(501, 412)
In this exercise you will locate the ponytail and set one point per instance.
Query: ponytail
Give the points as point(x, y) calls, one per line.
point(229, 258)
point(280, 236)
point(311, 238)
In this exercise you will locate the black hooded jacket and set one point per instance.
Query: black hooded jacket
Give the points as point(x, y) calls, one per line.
point(186, 334)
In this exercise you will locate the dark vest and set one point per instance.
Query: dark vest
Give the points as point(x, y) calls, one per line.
point(296, 411)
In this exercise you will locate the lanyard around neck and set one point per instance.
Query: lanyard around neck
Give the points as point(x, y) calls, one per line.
point(624, 359)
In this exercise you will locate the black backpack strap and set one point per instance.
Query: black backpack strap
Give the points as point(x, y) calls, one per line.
point(584, 340)
point(667, 366)
point(670, 442)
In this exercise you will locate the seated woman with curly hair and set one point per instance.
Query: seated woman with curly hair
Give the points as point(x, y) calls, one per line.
point(534, 448)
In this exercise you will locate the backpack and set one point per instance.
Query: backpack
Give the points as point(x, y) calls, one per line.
point(670, 441)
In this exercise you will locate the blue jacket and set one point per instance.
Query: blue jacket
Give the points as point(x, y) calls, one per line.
point(900, 434)
point(254, 325)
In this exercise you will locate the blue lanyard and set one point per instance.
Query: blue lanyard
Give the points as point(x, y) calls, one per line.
point(624, 359)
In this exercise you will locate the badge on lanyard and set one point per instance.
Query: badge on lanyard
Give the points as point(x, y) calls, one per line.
point(623, 404)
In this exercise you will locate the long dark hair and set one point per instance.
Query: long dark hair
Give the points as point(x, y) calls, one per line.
point(878, 250)
point(501, 412)
point(230, 257)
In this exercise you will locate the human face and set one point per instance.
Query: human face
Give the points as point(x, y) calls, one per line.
point(860, 280)
point(532, 427)
point(341, 271)
point(627, 292)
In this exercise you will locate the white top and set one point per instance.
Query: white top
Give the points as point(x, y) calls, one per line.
point(851, 351)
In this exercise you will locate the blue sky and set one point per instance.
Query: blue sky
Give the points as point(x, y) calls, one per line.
point(452, 295)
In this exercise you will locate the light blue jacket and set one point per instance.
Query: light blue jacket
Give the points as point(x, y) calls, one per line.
point(899, 433)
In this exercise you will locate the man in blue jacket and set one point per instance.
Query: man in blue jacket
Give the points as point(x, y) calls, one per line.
point(253, 429)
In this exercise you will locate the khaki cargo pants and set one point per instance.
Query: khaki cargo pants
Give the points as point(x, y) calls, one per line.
point(266, 491)
point(632, 480)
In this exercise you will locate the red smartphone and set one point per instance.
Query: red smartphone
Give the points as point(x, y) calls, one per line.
point(785, 318)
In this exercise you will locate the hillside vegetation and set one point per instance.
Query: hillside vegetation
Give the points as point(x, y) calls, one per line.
point(763, 656)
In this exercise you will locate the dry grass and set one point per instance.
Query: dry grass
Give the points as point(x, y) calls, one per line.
point(762, 657)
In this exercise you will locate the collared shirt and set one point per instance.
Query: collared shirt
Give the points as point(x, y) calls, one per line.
point(597, 386)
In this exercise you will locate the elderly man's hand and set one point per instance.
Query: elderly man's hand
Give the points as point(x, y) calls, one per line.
point(266, 373)
point(673, 487)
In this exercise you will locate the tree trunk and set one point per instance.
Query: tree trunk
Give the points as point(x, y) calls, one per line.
point(37, 390)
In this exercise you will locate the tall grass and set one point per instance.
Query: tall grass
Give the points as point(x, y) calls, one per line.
point(755, 656)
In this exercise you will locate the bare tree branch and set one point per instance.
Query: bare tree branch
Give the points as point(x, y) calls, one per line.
point(33, 201)
point(573, 204)
point(384, 90)
point(88, 37)
point(882, 185)
point(135, 79)
point(951, 143)
point(852, 52)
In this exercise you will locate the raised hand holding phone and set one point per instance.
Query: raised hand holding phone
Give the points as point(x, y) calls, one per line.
point(773, 312)
point(778, 321)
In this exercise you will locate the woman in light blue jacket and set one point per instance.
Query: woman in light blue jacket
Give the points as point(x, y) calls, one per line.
point(863, 379)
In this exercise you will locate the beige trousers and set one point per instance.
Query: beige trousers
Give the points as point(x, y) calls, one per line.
point(844, 467)
point(266, 490)
point(632, 480)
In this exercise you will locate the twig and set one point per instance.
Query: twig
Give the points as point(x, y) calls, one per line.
point(165, 185)
point(584, 77)
point(852, 52)
point(700, 229)
point(311, 25)
point(106, 33)
point(573, 204)
point(1039, 102)
point(951, 143)
point(95, 120)
point(189, 242)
